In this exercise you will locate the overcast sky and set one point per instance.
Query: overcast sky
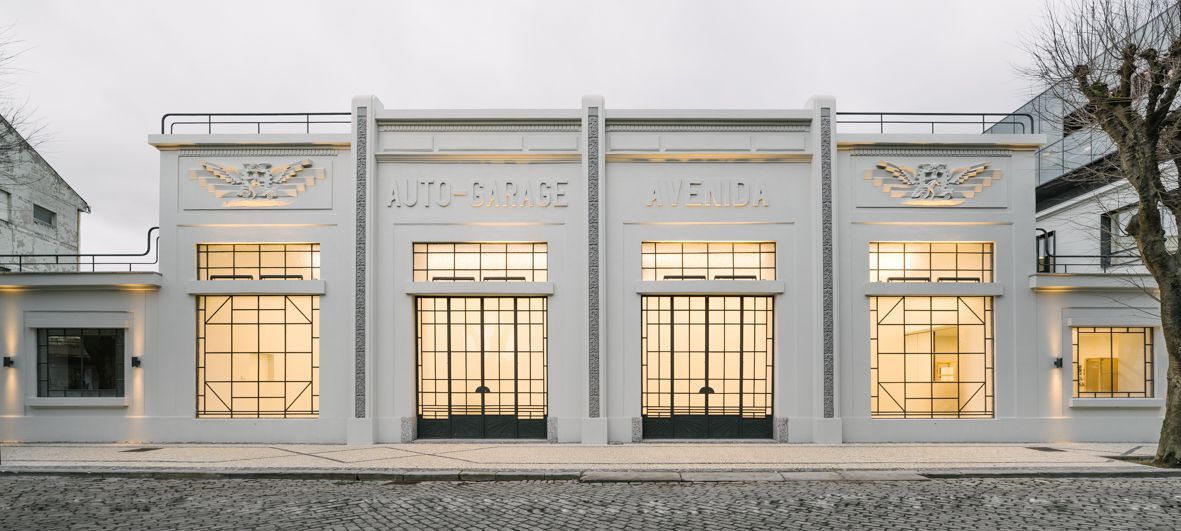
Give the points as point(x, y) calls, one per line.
point(98, 75)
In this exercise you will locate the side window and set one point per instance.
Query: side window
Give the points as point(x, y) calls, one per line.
point(5, 206)
point(44, 215)
point(80, 362)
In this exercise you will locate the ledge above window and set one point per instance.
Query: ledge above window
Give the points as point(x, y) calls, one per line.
point(76, 402)
point(1117, 403)
point(710, 287)
point(480, 288)
point(934, 289)
point(255, 287)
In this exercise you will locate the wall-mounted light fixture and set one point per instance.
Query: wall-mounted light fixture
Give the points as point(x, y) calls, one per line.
point(135, 361)
point(9, 362)
point(1057, 363)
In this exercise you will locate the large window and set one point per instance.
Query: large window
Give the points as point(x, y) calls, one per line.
point(930, 262)
point(706, 366)
point(258, 356)
point(481, 367)
point(707, 260)
point(79, 362)
point(258, 261)
point(479, 262)
point(1112, 362)
point(931, 357)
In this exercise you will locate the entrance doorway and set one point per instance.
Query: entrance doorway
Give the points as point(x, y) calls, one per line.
point(707, 366)
point(481, 367)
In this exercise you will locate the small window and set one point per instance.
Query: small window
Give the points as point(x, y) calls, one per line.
point(44, 215)
point(79, 362)
point(5, 206)
point(481, 262)
point(930, 262)
point(707, 260)
point(258, 261)
point(1112, 362)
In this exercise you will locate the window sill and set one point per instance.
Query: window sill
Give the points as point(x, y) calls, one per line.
point(1117, 403)
point(77, 402)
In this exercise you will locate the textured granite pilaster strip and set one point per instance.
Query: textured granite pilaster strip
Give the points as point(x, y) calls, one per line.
point(362, 219)
point(826, 253)
point(409, 429)
point(781, 429)
point(637, 429)
point(551, 429)
point(592, 209)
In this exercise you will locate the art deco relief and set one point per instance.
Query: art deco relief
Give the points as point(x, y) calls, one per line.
point(933, 184)
point(260, 184)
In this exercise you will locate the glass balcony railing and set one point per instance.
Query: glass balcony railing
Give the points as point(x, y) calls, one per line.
point(1071, 153)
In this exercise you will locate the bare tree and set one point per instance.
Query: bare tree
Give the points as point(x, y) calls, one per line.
point(1116, 67)
point(19, 131)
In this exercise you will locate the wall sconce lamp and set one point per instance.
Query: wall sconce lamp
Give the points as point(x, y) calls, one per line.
point(135, 361)
point(9, 362)
point(1057, 363)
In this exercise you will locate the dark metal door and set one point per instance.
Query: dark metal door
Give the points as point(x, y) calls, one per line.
point(707, 366)
point(481, 367)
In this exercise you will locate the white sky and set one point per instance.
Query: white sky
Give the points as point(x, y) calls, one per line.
point(99, 75)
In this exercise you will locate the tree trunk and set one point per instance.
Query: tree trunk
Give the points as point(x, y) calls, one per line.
point(1168, 451)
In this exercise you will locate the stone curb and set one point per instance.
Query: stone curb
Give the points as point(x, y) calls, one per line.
point(587, 476)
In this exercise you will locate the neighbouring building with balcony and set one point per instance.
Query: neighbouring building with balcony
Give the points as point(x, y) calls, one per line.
point(591, 275)
point(39, 211)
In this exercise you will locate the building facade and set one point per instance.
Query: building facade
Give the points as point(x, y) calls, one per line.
point(39, 211)
point(587, 275)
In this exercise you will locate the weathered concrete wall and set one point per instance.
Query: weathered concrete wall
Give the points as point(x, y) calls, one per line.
point(29, 180)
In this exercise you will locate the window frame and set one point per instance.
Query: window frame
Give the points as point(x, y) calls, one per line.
point(42, 375)
point(1149, 376)
point(5, 206)
point(52, 216)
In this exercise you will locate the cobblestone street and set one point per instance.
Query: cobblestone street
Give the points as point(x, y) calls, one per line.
point(40, 502)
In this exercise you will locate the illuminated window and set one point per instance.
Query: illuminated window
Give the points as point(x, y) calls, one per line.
point(930, 262)
point(931, 357)
point(478, 262)
point(707, 260)
point(81, 362)
point(706, 366)
point(258, 356)
point(1112, 362)
point(481, 367)
point(258, 261)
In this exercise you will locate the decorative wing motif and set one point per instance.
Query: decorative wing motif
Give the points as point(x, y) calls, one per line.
point(226, 173)
point(902, 173)
point(257, 183)
point(932, 184)
point(287, 171)
point(961, 175)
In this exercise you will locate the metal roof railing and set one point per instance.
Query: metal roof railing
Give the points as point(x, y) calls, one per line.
point(255, 123)
point(936, 122)
point(84, 263)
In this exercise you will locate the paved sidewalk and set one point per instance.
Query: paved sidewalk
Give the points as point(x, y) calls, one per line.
point(645, 461)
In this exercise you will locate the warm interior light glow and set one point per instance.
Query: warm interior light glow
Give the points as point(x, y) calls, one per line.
point(930, 262)
point(258, 356)
point(1112, 362)
point(481, 261)
point(482, 356)
point(707, 355)
point(258, 261)
point(931, 357)
point(707, 261)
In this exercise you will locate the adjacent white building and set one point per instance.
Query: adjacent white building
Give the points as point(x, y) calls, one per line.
point(590, 275)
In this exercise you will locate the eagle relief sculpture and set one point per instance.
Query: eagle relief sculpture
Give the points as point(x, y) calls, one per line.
point(932, 184)
point(257, 184)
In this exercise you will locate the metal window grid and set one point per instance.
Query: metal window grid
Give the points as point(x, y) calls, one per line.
point(258, 261)
point(258, 356)
point(919, 393)
point(707, 260)
point(70, 362)
point(464, 367)
point(707, 355)
point(481, 261)
point(1111, 334)
point(930, 261)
